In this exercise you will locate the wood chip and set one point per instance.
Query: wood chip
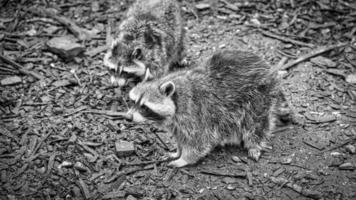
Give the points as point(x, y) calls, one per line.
point(124, 148)
point(12, 80)
point(65, 46)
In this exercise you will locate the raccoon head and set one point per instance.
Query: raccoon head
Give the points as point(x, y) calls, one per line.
point(134, 50)
point(153, 102)
point(125, 62)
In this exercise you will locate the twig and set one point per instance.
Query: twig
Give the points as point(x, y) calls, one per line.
point(109, 113)
point(81, 108)
point(312, 54)
point(218, 173)
point(285, 39)
point(303, 191)
point(160, 139)
point(146, 162)
point(340, 145)
point(21, 68)
point(128, 172)
point(109, 38)
point(80, 33)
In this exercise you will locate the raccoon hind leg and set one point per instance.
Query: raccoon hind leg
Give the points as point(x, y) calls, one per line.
point(190, 155)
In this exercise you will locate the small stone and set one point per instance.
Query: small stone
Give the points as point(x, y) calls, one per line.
point(130, 197)
point(236, 159)
point(65, 164)
point(335, 154)
point(230, 187)
point(41, 170)
point(12, 80)
point(347, 166)
point(202, 6)
point(351, 78)
point(350, 148)
point(124, 148)
point(65, 46)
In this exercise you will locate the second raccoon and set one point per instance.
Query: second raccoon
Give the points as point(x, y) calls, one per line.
point(149, 42)
point(231, 99)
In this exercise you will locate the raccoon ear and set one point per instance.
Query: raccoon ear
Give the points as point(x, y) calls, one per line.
point(137, 53)
point(167, 88)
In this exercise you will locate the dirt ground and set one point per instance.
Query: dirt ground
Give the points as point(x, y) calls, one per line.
point(58, 142)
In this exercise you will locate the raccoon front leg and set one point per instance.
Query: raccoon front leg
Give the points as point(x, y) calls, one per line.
point(252, 145)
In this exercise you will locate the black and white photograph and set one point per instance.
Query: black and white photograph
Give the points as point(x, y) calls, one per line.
point(178, 99)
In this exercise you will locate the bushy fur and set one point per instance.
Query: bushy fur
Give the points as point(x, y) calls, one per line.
point(151, 34)
point(230, 100)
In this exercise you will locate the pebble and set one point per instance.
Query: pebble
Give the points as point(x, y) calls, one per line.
point(124, 148)
point(351, 78)
point(230, 187)
point(65, 46)
point(235, 159)
point(12, 80)
point(130, 197)
point(350, 148)
point(65, 164)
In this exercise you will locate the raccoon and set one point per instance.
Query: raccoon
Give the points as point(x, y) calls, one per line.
point(149, 42)
point(230, 100)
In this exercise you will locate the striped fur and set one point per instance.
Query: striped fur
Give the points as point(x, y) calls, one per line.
point(229, 100)
point(151, 36)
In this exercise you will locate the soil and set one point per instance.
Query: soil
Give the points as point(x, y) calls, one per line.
point(54, 146)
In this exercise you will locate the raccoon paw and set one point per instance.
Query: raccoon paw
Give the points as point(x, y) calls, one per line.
point(254, 153)
point(178, 163)
point(174, 155)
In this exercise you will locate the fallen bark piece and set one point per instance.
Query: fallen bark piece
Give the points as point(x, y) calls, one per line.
point(97, 50)
point(350, 148)
point(12, 80)
point(124, 148)
point(65, 46)
point(21, 68)
point(322, 61)
point(312, 54)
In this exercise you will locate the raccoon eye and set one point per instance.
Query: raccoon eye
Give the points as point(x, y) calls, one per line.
point(137, 54)
point(111, 70)
point(145, 109)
